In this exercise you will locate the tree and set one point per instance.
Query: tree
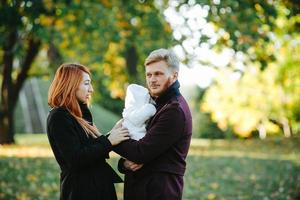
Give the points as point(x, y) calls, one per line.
point(20, 43)
point(246, 27)
point(254, 32)
point(77, 31)
point(264, 101)
point(113, 42)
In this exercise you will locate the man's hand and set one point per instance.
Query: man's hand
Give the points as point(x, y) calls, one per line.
point(132, 166)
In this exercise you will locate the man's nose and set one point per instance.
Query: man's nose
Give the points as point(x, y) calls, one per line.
point(153, 79)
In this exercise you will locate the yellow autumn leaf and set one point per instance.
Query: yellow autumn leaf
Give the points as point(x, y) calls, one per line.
point(211, 196)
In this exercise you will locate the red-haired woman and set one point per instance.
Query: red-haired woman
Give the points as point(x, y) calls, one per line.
point(78, 147)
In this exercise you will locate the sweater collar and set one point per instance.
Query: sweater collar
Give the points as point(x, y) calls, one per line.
point(83, 106)
point(86, 113)
point(173, 90)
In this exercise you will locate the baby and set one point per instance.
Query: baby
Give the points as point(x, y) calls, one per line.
point(137, 111)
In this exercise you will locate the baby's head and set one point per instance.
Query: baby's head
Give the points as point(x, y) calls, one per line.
point(136, 95)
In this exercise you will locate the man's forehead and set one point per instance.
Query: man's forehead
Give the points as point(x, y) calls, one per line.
point(158, 66)
point(157, 63)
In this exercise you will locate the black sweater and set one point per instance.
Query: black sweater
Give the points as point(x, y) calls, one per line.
point(84, 171)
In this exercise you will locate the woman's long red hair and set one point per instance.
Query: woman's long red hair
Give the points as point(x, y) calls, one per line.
point(62, 93)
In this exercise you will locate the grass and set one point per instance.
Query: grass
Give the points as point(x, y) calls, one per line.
point(104, 124)
point(216, 169)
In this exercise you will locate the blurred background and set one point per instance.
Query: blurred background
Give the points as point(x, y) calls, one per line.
point(240, 72)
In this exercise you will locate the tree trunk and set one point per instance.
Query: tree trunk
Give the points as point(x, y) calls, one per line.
point(6, 127)
point(283, 123)
point(10, 90)
point(262, 131)
point(286, 128)
point(6, 121)
point(131, 63)
point(32, 51)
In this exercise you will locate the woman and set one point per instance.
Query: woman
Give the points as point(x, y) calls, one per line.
point(78, 147)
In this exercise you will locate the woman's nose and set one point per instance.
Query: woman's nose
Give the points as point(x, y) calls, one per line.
point(91, 89)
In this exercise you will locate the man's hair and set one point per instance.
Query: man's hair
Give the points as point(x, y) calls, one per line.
point(163, 54)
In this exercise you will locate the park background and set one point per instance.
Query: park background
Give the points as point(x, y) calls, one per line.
point(240, 72)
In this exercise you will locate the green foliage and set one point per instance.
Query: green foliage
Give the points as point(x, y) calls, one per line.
point(112, 38)
point(108, 38)
point(258, 92)
point(257, 99)
point(28, 20)
point(203, 126)
point(247, 26)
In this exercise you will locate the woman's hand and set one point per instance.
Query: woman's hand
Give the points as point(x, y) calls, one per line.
point(118, 133)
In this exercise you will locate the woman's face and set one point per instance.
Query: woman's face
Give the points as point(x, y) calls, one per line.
point(85, 89)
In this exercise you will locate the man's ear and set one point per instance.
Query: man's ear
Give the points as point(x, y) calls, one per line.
point(175, 75)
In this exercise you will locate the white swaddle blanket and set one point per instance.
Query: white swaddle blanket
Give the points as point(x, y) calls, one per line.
point(137, 110)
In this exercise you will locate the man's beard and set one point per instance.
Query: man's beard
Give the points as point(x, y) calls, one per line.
point(164, 88)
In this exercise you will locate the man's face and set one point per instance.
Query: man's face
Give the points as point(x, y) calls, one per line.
point(159, 77)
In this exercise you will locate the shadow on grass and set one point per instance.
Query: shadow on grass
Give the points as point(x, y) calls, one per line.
point(206, 178)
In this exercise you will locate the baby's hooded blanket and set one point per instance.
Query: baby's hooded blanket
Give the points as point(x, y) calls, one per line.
point(137, 110)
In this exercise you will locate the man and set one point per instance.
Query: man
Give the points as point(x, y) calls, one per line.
point(155, 165)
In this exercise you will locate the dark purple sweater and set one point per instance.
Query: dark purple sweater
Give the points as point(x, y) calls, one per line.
point(166, 143)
